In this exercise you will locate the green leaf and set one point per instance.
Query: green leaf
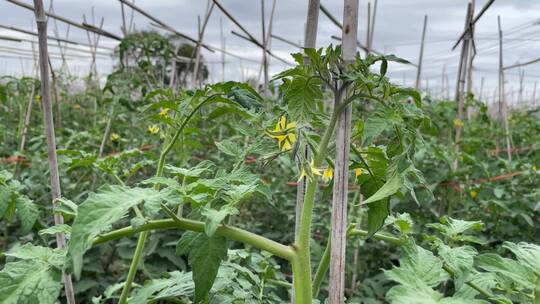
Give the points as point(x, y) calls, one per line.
point(27, 213)
point(301, 95)
point(457, 230)
point(215, 217)
point(417, 265)
point(527, 254)
point(54, 257)
point(63, 228)
point(177, 284)
point(377, 213)
point(390, 187)
point(205, 256)
point(230, 148)
point(508, 269)
point(460, 260)
point(99, 211)
point(36, 278)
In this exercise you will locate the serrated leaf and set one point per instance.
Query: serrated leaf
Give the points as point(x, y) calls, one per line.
point(215, 217)
point(507, 268)
point(527, 254)
point(27, 213)
point(178, 284)
point(63, 228)
point(204, 256)
point(29, 282)
point(99, 211)
point(460, 260)
point(53, 257)
point(301, 95)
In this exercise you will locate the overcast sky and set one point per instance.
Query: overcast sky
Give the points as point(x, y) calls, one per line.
point(397, 31)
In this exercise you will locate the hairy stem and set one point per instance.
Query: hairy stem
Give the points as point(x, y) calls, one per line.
point(302, 266)
point(232, 233)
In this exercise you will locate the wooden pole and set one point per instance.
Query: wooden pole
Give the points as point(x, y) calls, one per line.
point(460, 85)
point(341, 176)
point(264, 58)
point(195, 74)
point(481, 93)
point(368, 28)
point(421, 56)
point(372, 25)
point(503, 108)
point(222, 39)
point(520, 93)
point(41, 22)
point(534, 95)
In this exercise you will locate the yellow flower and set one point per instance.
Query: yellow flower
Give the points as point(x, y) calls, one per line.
point(314, 170)
point(302, 174)
point(154, 129)
point(357, 172)
point(458, 122)
point(473, 194)
point(534, 168)
point(284, 132)
point(114, 137)
point(76, 106)
point(38, 98)
point(163, 112)
point(327, 174)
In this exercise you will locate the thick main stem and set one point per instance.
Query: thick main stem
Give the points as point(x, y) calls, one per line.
point(49, 133)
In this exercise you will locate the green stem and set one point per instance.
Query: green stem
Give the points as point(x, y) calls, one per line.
point(159, 172)
point(232, 233)
point(302, 265)
point(133, 268)
point(322, 269)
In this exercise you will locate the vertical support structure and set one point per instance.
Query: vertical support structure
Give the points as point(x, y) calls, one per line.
point(520, 93)
point(372, 25)
point(421, 56)
point(503, 107)
point(460, 85)
point(264, 57)
point(195, 74)
point(222, 39)
point(341, 176)
point(41, 22)
point(368, 28)
point(534, 95)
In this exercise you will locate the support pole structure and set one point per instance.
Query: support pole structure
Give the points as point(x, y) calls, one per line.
point(421, 56)
point(41, 22)
point(341, 177)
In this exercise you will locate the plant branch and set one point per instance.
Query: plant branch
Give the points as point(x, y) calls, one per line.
point(232, 233)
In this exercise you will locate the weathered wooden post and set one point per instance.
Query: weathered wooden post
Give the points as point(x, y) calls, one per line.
point(421, 56)
point(503, 108)
point(49, 133)
point(341, 176)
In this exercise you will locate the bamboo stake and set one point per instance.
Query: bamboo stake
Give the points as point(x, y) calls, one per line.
point(503, 108)
point(222, 39)
point(460, 100)
point(368, 28)
point(421, 56)
point(372, 25)
point(268, 43)
point(264, 58)
point(41, 22)
point(257, 44)
point(209, 9)
point(481, 93)
point(520, 94)
point(341, 176)
point(534, 95)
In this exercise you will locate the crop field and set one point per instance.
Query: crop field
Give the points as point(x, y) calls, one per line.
point(142, 163)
